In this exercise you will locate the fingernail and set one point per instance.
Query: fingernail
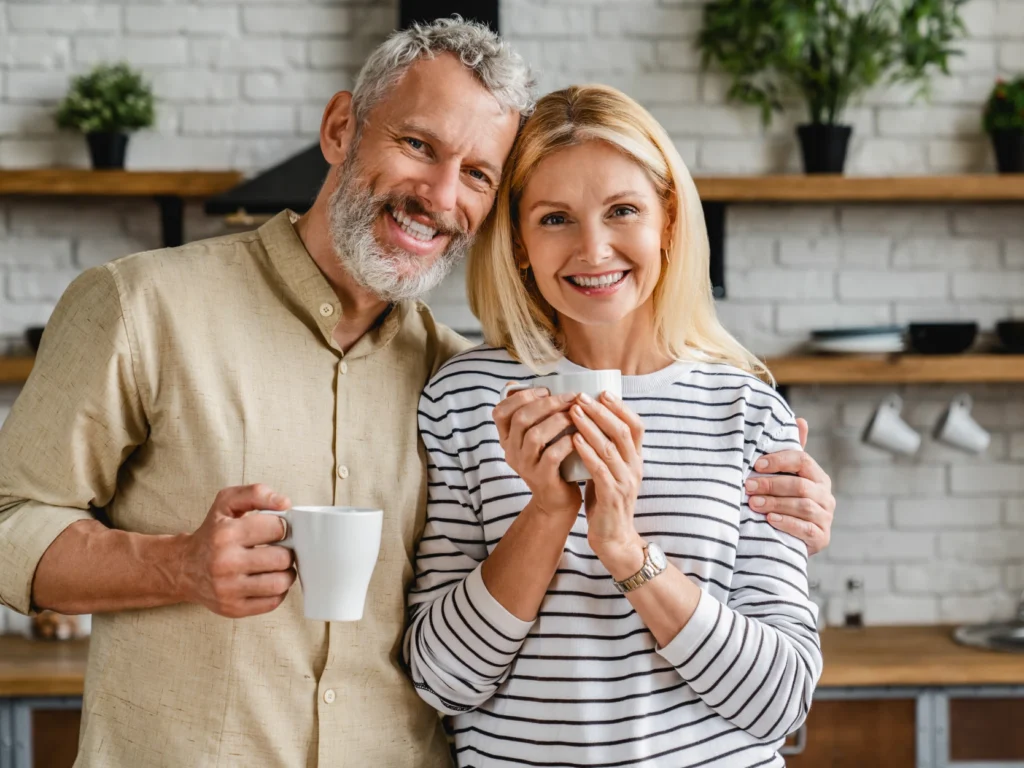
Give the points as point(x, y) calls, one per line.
point(585, 398)
point(774, 517)
point(609, 396)
point(568, 397)
point(757, 501)
point(276, 499)
point(761, 464)
point(751, 485)
point(577, 411)
point(542, 392)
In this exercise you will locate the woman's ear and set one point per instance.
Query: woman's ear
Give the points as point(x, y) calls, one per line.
point(519, 252)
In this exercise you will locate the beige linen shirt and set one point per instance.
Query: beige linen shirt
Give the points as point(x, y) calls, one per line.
point(166, 376)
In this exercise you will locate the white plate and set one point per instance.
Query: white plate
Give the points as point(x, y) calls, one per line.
point(862, 345)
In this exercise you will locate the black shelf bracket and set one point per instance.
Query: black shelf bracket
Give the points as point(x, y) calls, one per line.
point(714, 220)
point(172, 220)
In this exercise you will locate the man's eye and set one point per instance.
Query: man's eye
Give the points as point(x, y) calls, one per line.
point(414, 143)
point(553, 219)
point(479, 175)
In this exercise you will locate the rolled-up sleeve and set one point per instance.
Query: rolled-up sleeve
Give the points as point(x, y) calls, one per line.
point(77, 419)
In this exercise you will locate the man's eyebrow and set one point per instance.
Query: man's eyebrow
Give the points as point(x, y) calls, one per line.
point(414, 127)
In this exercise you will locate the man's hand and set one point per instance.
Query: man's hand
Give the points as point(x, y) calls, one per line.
point(223, 566)
point(803, 505)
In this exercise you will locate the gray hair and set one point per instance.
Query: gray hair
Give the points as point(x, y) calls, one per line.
point(501, 70)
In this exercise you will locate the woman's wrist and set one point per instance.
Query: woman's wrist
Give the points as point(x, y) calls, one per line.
point(622, 559)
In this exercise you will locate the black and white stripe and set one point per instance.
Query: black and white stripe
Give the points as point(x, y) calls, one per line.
point(585, 683)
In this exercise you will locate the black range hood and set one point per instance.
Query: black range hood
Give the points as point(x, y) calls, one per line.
point(294, 182)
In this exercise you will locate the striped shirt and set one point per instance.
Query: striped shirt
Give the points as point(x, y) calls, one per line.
point(585, 683)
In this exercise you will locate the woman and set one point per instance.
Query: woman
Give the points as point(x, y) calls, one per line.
point(544, 618)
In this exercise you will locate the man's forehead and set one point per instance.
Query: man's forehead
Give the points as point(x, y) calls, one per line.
point(443, 97)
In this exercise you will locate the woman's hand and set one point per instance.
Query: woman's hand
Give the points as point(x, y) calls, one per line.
point(609, 442)
point(532, 426)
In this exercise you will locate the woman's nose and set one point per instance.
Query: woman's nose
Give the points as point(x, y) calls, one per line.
point(595, 245)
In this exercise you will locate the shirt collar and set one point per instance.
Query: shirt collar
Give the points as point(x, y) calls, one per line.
point(316, 299)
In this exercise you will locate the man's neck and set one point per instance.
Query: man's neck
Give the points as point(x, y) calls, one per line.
point(360, 309)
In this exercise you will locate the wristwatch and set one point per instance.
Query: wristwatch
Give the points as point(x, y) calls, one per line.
point(654, 563)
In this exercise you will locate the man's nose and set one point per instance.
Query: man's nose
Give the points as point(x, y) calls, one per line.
point(440, 188)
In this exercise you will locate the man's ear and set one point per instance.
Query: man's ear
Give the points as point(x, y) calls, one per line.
point(337, 128)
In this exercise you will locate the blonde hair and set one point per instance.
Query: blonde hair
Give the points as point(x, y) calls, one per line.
point(511, 309)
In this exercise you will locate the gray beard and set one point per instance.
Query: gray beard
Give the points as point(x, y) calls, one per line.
point(352, 212)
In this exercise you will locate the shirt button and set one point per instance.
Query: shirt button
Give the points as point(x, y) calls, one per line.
point(326, 309)
point(344, 368)
point(329, 696)
point(342, 471)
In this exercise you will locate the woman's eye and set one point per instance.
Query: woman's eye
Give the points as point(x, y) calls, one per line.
point(623, 210)
point(552, 219)
point(414, 143)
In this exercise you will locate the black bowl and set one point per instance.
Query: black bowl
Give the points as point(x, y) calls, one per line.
point(941, 338)
point(33, 336)
point(1011, 335)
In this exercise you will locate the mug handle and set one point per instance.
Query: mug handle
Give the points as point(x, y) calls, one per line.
point(285, 515)
point(511, 389)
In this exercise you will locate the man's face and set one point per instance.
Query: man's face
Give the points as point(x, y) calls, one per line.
point(419, 179)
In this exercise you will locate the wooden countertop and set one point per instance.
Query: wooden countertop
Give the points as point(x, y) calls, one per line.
point(38, 668)
point(912, 656)
point(870, 657)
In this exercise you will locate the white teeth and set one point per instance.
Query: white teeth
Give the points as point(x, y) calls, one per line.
point(602, 281)
point(414, 228)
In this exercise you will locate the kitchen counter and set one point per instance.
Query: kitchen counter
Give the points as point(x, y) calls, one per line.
point(912, 656)
point(869, 657)
point(40, 668)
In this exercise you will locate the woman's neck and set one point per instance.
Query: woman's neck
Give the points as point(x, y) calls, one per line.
point(629, 346)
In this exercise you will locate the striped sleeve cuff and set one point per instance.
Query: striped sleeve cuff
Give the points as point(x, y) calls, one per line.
point(696, 642)
point(494, 617)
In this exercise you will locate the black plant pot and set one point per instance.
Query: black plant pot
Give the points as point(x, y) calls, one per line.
point(107, 149)
point(824, 147)
point(1009, 147)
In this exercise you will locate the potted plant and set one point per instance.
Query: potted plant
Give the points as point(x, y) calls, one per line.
point(828, 52)
point(1004, 122)
point(106, 104)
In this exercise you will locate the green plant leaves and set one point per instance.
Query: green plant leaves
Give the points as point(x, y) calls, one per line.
point(1004, 110)
point(828, 52)
point(112, 98)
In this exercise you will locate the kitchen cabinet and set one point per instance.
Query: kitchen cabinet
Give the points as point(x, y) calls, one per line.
point(40, 702)
point(854, 734)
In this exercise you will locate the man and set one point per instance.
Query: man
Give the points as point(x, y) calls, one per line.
point(250, 370)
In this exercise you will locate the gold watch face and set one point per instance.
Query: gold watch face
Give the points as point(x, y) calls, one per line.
point(656, 556)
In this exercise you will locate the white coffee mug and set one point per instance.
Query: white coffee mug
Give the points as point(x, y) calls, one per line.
point(958, 428)
point(887, 430)
point(335, 549)
point(591, 383)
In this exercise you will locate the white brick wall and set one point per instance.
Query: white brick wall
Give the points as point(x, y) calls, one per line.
point(243, 83)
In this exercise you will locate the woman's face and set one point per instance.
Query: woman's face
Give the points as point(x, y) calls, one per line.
point(593, 228)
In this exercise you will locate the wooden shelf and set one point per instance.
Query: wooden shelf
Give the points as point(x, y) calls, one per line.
point(898, 369)
point(828, 188)
point(83, 181)
point(813, 369)
point(14, 370)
